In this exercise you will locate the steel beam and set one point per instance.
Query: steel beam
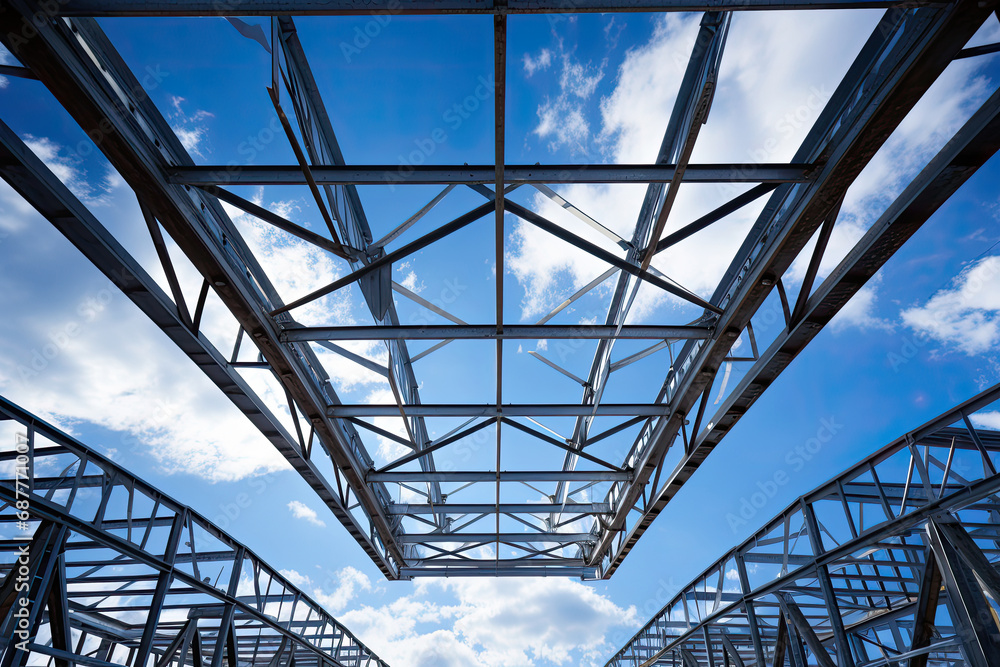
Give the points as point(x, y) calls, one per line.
point(85, 73)
point(503, 476)
point(489, 410)
point(36, 183)
point(519, 538)
point(217, 175)
point(363, 7)
point(324, 151)
point(506, 508)
point(120, 584)
point(489, 332)
point(909, 48)
point(872, 567)
point(905, 54)
point(974, 618)
point(580, 571)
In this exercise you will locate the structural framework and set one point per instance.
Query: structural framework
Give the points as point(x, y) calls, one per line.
point(611, 480)
point(110, 572)
point(891, 563)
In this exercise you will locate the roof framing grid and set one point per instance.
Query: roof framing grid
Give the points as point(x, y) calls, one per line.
point(128, 573)
point(853, 572)
point(665, 439)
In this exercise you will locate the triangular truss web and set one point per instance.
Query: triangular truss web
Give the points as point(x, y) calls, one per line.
point(566, 476)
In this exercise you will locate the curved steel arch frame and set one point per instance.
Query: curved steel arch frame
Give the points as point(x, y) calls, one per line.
point(912, 44)
point(894, 562)
point(105, 570)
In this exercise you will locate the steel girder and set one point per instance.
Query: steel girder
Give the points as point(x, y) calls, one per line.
point(904, 55)
point(355, 7)
point(42, 189)
point(479, 174)
point(853, 573)
point(91, 80)
point(907, 51)
point(121, 572)
point(324, 152)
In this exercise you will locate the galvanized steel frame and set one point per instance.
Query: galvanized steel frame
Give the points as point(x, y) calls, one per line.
point(853, 573)
point(910, 47)
point(123, 575)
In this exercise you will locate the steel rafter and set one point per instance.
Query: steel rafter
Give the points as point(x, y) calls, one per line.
point(122, 573)
point(975, 143)
point(324, 152)
point(355, 7)
point(905, 54)
point(78, 63)
point(853, 572)
point(661, 442)
point(218, 175)
point(42, 189)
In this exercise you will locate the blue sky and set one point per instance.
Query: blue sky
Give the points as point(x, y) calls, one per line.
point(591, 88)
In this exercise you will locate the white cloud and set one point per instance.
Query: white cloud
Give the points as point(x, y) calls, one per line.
point(777, 73)
point(67, 167)
point(493, 622)
point(860, 311)
point(337, 591)
point(410, 283)
point(109, 375)
point(562, 119)
point(116, 370)
point(966, 315)
point(302, 511)
point(296, 579)
point(537, 63)
point(350, 581)
point(990, 420)
point(751, 111)
point(89, 356)
point(189, 128)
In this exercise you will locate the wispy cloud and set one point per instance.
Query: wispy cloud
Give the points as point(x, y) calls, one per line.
point(537, 63)
point(302, 511)
point(334, 594)
point(189, 128)
point(68, 167)
point(562, 119)
point(964, 316)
